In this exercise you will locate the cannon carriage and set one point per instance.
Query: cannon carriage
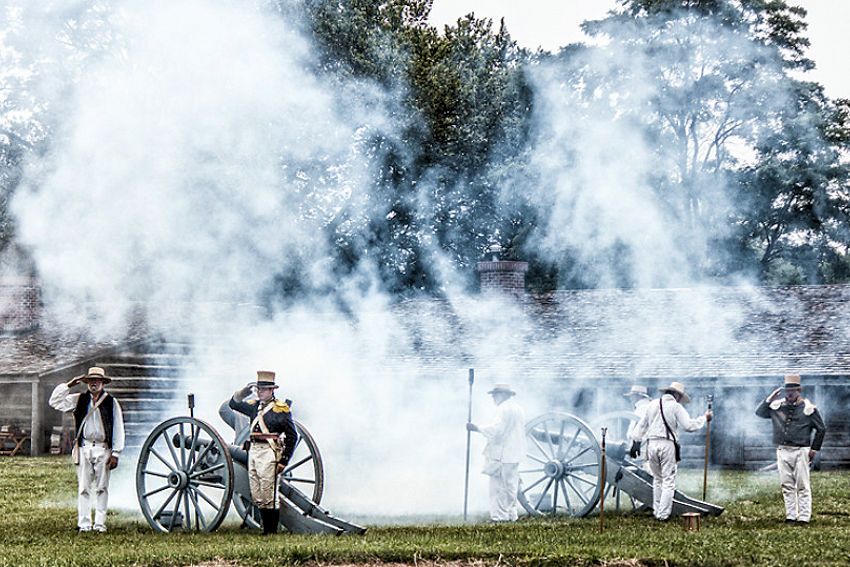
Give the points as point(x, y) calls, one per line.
point(562, 470)
point(187, 476)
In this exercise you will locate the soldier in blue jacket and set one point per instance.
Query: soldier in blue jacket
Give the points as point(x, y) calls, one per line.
point(794, 420)
point(269, 452)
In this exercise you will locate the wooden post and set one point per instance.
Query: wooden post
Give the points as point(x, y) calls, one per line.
point(37, 421)
point(602, 489)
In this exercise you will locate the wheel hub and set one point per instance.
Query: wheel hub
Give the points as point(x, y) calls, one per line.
point(178, 480)
point(554, 469)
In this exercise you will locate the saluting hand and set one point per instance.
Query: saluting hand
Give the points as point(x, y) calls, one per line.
point(775, 393)
point(76, 380)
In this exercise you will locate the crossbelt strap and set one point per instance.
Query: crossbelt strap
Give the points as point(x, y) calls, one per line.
point(267, 435)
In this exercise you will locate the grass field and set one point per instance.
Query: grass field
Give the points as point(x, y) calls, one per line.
point(36, 530)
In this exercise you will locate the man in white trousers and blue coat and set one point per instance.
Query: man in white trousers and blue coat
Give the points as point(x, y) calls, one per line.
point(659, 429)
point(98, 442)
point(503, 453)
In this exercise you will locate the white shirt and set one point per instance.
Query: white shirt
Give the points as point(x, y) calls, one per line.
point(63, 400)
point(640, 411)
point(651, 426)
point(506, 436)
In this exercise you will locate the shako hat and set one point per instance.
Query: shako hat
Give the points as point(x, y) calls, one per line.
point(502, 388)
point(637, 391)
point(265, 379)
point(96, 373)
point(792, 381)
point(678, 388)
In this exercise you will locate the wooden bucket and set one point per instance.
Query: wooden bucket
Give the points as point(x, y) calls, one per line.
point(691, 522)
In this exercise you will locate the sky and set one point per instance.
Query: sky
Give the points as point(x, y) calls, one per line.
point(553, 23)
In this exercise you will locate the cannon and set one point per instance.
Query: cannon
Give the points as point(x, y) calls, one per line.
point(562, 470)
point(187, 476)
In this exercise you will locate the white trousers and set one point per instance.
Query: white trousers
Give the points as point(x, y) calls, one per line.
point(262, 474)
point(793, 465)
point(661, 456)
point(92, 477)
point(503, 490)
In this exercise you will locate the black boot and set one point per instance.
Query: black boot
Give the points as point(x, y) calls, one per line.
point(270, 519)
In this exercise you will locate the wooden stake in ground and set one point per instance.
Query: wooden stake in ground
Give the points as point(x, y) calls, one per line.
point(709, 398)
point(602, 485)
point(468, 441)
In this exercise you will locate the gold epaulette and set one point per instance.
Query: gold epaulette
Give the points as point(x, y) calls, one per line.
point(280, 407)
point(252, 402)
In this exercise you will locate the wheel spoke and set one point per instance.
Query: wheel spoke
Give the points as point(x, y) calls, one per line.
point(566, 496)
point(175, 510)
point(170, 446)
point(538, 481)
point(195, 435)
point(533, 458)
point(182, 447)
point(584, 480)
point(555, 500)
point(542, 494)
point(296, 479)
point(580, 494)
point(164, 504)
point(549, 441)
point(198, 482)
point(198, 512)
point(560, 439)
point(539, 448)
point(156, 454)
point(154, 473)
point(214, 468)
point(200, 457)
point(215, 506)
point(570, 444)
point(580, 453)
point(156, 491)
point(585, 465)
point(298, 464)
point(525, 471)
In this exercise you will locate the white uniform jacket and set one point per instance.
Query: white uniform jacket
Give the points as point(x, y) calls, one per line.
point(651, 426)
point(506, 436)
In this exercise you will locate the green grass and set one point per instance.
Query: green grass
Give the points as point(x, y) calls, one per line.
point(37, 516)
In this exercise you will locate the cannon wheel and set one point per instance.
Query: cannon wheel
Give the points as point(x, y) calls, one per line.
point(618, 424)
point(305, 471)
point(184, 477)
point(561, 471)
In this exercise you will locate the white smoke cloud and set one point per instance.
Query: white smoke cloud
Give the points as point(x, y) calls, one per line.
point(183, 173)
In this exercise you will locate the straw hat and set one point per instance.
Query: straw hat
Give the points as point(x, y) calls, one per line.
point(96, 373)
point(502, 388)
point(637, 391)
point(265, 379)
point(677, 388)
point(792, 381)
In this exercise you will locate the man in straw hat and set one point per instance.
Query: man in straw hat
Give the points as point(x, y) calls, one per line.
point(660, 426)
point(268, 454)
point(505, 449)
point(98, 442)
point(794, 420)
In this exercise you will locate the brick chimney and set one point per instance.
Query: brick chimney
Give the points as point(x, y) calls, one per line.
point(20, 304)
point(502, 276)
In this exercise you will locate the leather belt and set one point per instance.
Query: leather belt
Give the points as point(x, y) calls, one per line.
point(264, 436)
